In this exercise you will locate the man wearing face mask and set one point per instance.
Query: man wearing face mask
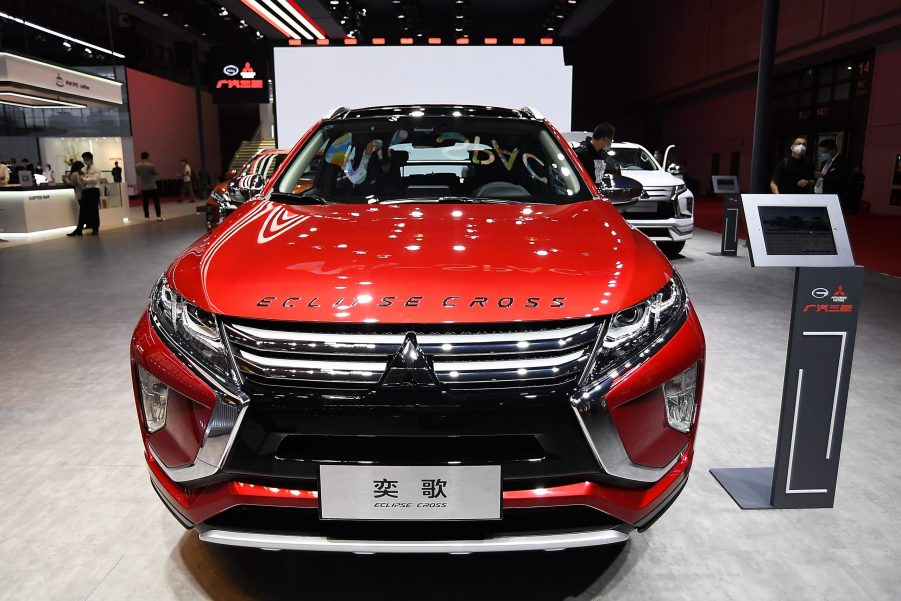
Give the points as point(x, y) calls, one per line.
point(592, 152)
point(794, 174)
point(834, 173)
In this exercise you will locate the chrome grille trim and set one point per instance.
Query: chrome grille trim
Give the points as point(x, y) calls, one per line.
point(397, 339)
point(354, 366)
point(470, 357)
point(659, 192)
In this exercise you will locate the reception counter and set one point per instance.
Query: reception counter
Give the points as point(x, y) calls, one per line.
point(25, 210)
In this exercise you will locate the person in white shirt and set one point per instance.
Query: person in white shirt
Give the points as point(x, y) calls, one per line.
point(48, 173)
point(187, 185)
point(90, 195)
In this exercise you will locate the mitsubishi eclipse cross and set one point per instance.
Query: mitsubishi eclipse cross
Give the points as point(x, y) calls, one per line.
point(428, 333)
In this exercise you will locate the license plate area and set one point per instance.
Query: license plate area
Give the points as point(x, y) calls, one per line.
point(431, 493)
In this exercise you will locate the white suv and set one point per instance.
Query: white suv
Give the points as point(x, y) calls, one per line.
point(664, 213)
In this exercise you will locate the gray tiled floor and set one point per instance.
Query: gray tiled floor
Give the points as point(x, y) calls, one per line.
point(79, 520)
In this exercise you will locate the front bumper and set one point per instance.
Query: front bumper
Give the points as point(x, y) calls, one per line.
point(625, 493)
point(664, 230)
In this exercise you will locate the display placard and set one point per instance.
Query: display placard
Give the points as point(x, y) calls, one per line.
point(725, 184)
point(796, 230)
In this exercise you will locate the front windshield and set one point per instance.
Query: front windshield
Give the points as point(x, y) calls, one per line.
point(377, 160)
point(632, 159)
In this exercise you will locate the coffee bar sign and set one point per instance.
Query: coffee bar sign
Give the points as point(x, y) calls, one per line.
point(21, 71)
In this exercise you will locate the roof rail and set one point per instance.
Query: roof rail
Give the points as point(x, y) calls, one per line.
point(528, 110)
point(335, 112)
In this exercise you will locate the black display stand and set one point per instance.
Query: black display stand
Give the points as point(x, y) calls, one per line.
point(727, 187)
point(825, 307)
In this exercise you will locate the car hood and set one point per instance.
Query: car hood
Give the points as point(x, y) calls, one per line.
point(653, 178)
point(420, 263)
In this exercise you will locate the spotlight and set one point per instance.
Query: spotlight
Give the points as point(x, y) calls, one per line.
point(223, 12)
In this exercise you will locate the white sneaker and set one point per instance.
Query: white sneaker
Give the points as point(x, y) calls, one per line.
point(159, 218)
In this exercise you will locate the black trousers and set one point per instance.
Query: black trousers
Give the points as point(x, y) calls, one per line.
point(146, 195)
point(89, 209)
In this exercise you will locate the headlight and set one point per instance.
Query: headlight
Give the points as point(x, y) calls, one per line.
point(193, 332)
point(634, 334)
point(679, 190)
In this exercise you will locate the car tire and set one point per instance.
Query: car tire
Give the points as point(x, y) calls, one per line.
point(671, 249)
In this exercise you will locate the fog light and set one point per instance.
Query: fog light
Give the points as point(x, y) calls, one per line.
point(154, 398)
point(679, 397)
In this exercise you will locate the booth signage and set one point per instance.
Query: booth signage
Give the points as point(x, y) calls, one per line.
point(57, 80)
point(239, 80)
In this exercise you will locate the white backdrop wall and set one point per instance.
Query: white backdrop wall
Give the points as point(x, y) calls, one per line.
point(310, 81)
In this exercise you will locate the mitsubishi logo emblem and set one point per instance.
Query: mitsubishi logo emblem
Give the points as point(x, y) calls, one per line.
point(409, 366)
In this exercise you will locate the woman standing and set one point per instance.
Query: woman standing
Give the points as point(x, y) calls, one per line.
point(76, 178)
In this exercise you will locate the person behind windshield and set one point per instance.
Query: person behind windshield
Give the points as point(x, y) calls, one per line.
point(793, 174)
point(593, 152)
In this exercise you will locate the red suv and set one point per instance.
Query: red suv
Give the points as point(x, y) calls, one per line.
point(428, 333)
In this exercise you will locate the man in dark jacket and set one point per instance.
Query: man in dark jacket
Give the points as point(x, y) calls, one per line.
point(793, 174)
point(833, 173)
point(593, 152)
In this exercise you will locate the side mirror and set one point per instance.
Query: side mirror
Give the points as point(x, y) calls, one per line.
point(245, 187)
point(620, 190)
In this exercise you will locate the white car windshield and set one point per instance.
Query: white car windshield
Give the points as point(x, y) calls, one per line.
point(632, 159)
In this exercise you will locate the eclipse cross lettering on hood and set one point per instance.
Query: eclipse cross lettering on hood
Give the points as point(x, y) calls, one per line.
point(427, 317)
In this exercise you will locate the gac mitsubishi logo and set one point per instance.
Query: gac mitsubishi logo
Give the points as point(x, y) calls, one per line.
point(409, 366)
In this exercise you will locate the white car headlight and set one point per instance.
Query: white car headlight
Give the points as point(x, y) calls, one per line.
point(679, 189)
point(635, 333)
point(194, 333)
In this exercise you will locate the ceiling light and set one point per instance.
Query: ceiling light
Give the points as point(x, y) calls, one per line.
point(58, 34)
point(286, 17)
point(223, 12)
point(165, 14)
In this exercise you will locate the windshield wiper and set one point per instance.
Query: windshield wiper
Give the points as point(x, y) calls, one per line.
point(306, 198)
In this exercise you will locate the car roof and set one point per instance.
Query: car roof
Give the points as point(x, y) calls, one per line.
point(434, 110)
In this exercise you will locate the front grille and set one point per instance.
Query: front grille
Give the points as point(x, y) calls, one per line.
point(655, 203)
point(306, 522)
point(659, 192)
point(289, 360)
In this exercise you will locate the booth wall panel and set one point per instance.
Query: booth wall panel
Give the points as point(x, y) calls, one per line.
point(164, 123)
point(884, 129)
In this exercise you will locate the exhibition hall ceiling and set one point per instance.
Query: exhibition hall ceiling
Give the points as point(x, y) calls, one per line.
point(420, 20)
